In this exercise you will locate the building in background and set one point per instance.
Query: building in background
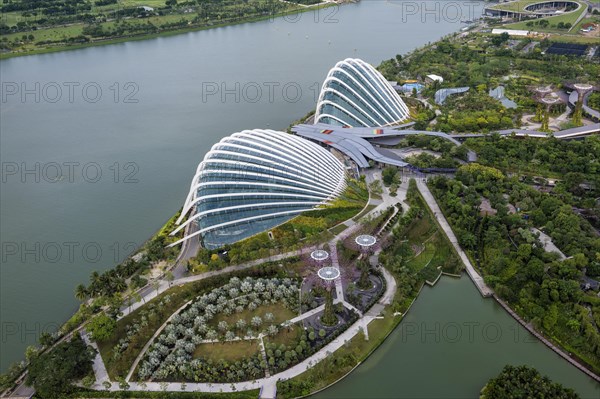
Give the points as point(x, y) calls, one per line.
point(355, 94)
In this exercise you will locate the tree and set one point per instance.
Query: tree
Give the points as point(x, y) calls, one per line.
point(256, 321)
point(46, 339)
point(81, 293)
point(101, 327)
point(524, 382)
point(389, 174)
point(500, 39)
point(329, 318)
point(53, 372)
point(169, 277)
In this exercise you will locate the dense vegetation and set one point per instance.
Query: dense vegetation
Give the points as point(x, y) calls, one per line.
point(133, 331)
point(524, 382)
point(172, 356)
point(574, 162)
point(447, 154)
point(298, 232)
point(537, 284)
point(33, 25)
point(482, 63)
point(594, 101)
point(53, 372)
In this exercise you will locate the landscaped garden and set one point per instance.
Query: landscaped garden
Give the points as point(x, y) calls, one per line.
point(304, 230)
point(209, 319)
point(133, 332)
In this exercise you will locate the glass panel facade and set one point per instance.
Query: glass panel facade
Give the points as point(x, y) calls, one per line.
point(254, 180)
point(356, 94)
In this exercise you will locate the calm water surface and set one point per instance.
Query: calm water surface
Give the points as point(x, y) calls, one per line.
point(450, 343)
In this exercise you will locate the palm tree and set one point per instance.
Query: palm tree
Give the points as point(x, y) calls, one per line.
point(120, 284)
point(81, 293)
point(95, 283)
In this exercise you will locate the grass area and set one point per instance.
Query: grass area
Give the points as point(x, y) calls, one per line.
point(573, 39)
point(569, 17)
point(338, 229)
point(367, 209)
point(280, 314)
point(420, 230)
point(438, 253)
point(342, 361)
point(515, 5)
point(519, 5)
point(69, 36)
point(285, 336)
point(228, 351)
point(419, 262)
point(178, 296)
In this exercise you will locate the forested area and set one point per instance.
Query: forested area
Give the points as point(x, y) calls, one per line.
point(524, 382)
point(30, 25)
point(574, 162)
point(483, 63)
point(538, 285)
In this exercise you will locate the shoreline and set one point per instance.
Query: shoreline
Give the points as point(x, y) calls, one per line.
point(166, 33)
point(556, 348)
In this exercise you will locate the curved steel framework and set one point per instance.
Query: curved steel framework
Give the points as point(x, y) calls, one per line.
point(254, 180)
point(355, 94)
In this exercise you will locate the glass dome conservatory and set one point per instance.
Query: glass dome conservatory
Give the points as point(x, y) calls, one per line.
point(355, 94)
point(255, 180)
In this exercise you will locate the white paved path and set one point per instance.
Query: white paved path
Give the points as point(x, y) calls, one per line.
point(267, 385)
point(477, 279)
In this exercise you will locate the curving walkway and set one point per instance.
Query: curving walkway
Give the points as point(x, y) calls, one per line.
point(267, 385)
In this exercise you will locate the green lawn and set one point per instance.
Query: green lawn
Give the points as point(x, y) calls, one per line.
point(517, 5)
point(419, 262)
point(280, 313)
point(367, 209)
point(285, 336)
point(570, 17)
point(229, 351)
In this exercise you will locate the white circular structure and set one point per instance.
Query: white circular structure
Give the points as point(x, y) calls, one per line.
point(329, 273)
point(583, 87)
point(254, 180)
point(542, 90)
point(365, 240)
point(356, 94)
point(319, 255)
point(550, 100)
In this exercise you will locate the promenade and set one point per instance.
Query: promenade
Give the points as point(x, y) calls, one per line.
point(441, 219)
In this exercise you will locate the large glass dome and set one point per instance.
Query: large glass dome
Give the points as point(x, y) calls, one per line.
point(254, 180)
point(355, 94)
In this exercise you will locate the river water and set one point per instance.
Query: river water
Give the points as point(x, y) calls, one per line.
point(450, 343)
point(98, 145)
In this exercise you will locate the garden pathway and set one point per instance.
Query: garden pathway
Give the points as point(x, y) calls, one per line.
point(437, 212)
point(151, 340)
point(548, 244)
point(99, 368)
point(268, 385)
